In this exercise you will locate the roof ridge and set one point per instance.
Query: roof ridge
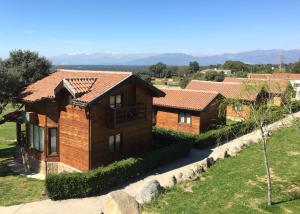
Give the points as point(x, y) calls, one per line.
point(191, 90)
point(94, 71)
point(214, 82)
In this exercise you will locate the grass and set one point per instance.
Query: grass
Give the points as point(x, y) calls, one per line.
point(237, 184)
point(15, 189)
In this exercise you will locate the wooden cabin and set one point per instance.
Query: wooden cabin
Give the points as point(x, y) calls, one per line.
point(78, 120)
point(231, 91)
point(275, 88)
point(188, 110)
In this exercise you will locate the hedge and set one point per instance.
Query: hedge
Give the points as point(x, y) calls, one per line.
point(205, 139)
point(94, 182)
point(216, 136)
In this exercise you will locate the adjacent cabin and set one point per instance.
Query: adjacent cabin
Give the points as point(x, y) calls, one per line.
point(231, 91)
point(293, 78)
point(78, 120)
point(188, 110)
point(276, 88)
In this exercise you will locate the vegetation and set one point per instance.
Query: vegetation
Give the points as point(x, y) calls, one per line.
point(94, 182)
point(19, 70)
point(14, 189)
point(237, 185)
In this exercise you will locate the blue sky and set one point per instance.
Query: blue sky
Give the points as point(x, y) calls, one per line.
point(153, 26)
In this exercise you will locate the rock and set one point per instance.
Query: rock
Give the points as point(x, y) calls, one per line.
point(210, 161)
point(149, 192)
point(189, 174)
point(203, 163)
point(233, 151)
point(219, 154)
point(119, 202)
point(198, 168)
point(172, 181)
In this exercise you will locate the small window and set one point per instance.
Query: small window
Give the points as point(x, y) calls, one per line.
point(114, 143)
point(237, 107)
point(36, 137)
point(184, 118)
point(52, 140)
point(115, 101)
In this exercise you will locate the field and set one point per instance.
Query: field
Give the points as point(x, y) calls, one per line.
point(237, 184)
point(15, 189)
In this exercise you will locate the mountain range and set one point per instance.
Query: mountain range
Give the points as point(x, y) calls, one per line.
point(251, 57)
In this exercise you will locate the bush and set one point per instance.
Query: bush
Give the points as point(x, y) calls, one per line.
point(205, 139)
point(94, 182)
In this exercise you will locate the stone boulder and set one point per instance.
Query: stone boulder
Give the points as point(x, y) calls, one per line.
point(233, 151)
point(203, 164)
point(198, 168)
point(149, 192)
point(189, 174)
point(219, 154)
point(119, 202)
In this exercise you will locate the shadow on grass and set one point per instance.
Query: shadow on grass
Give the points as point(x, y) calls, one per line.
point(7, 152)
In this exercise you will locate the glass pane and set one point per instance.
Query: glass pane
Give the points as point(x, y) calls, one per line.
point(53, 139)
point(118, 99)
point(111, 143)
point(42, 139)
point(36, 137)
point(31, 135)
point(181, 117)
point(112, 102)
point(188, 118)
point(118, 142)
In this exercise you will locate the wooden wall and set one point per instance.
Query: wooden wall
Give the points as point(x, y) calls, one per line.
point(237, 115)
point(135, 136)
point(212, 116)
point(168, 118)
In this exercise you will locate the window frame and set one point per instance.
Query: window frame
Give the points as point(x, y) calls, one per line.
point(50, 152)
point(185, 118)
point(115, 98)
point(112, 145)
point(36, 142)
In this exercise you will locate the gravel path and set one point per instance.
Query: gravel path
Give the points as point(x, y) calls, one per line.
point(93, 205)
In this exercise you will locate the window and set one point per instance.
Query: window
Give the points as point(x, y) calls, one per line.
point(184, 118)
point(52, 140)
point(237, 107)
point(36, 137)
point(115, 101)
point(296, 85)
point(114, 143)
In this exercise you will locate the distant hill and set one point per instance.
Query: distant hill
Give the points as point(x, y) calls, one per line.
point(251, 57)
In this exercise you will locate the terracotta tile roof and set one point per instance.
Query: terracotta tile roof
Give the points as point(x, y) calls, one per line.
point(275, 76)
point(276, 86)
point(230, 90)
point(80, 85)
point(259, 76)
point(185, 99)
point(103, 81)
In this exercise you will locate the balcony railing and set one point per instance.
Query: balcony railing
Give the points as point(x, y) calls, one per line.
point(124, 115)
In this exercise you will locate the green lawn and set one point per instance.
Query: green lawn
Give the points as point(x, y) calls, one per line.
point(237, 185)
point(15, 189)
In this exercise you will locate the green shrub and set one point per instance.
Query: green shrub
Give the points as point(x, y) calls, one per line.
point(94, 182)
point(209, 138)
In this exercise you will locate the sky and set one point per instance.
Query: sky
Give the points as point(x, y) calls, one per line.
point(55, 27)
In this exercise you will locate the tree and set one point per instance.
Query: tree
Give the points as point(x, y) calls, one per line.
point(214, 76)
point(19, 70)
point(296, 67)
point(263, 112)
point(194, 67)
point(157, 69)
point(235, 66)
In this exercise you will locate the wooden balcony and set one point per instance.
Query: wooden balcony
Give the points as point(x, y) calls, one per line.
point(122, 116)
